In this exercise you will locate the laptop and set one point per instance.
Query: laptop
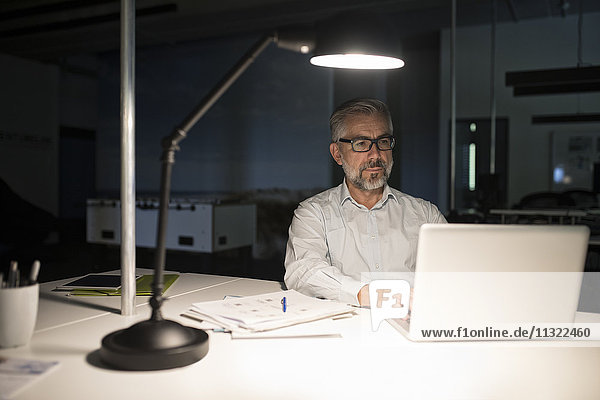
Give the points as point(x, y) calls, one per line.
point(485, 281)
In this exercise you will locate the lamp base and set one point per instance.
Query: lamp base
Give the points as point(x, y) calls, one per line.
point(154, 345)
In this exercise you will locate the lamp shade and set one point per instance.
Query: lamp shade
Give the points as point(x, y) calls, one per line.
point(358, 41)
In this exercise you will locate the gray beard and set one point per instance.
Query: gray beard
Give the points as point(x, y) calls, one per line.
point(371, 182)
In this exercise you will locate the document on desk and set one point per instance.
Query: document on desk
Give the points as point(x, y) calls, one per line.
point(17, 374)
point(143, 286)
point(265, 312)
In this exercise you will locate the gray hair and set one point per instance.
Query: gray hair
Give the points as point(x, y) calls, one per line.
point(359, 106)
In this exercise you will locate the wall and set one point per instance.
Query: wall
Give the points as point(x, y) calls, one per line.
point(77, 146)
point(29, 130)
point(414, 103)
point(269, 130)
point(79, 92)
point(529, 44)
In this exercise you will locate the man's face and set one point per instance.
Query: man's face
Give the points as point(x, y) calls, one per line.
point(366, 170)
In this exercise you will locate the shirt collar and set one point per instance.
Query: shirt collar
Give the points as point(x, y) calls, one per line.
point(345, 195)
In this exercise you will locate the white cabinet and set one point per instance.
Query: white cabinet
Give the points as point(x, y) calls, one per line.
point(193, 225)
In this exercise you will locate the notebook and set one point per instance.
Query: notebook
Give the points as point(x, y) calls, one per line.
point(485, 281)
point(94, 282)
point(98, 287)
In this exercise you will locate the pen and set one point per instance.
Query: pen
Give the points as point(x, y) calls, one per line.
point(12, 274)
point(33, 274)
point(284, 304)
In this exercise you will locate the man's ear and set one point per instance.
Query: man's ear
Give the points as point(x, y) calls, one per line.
point(335, 153)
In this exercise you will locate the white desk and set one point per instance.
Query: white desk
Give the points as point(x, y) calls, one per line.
point(56, 308)
point(362, 364)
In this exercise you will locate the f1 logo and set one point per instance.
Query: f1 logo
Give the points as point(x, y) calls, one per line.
point(389, 299)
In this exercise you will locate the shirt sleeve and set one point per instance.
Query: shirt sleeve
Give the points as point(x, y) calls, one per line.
point(435, 216)
point(307, 264)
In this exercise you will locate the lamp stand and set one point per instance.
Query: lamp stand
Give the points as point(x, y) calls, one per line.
point(157, 343)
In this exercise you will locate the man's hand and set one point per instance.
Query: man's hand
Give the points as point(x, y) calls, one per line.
point(363, 299)
point(363, 296)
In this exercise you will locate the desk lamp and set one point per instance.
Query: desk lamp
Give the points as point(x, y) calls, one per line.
point(157, 344)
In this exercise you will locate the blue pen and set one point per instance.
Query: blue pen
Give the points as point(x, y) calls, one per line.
point(284, 304)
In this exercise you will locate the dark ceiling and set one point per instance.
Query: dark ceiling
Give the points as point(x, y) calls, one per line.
point(48, 30)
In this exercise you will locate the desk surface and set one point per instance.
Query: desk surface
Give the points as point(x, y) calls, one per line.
point(361, 364)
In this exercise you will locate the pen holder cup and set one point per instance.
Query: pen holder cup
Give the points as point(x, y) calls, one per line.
point(18, 313)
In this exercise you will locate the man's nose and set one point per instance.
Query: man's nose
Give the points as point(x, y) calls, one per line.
point(374, 152)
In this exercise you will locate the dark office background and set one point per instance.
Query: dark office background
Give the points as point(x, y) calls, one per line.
point(266, 139)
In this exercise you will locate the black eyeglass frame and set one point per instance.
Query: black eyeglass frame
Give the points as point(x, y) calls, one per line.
point(373, 141)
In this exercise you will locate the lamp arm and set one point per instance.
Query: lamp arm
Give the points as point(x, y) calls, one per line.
point(170, 144)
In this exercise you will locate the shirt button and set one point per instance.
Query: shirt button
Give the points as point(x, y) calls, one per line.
point(376, 266)
point(373, 237)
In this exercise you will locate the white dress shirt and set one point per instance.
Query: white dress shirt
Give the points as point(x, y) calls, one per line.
point(333, 239)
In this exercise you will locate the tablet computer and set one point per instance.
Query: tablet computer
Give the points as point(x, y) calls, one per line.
point(95, 281)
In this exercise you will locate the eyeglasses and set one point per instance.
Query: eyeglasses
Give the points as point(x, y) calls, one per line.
point(363, 145)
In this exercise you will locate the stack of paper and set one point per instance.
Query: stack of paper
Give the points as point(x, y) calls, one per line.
point(265, 312)
point(17, 374)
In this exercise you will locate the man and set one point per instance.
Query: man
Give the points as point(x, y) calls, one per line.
point(362, 225)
